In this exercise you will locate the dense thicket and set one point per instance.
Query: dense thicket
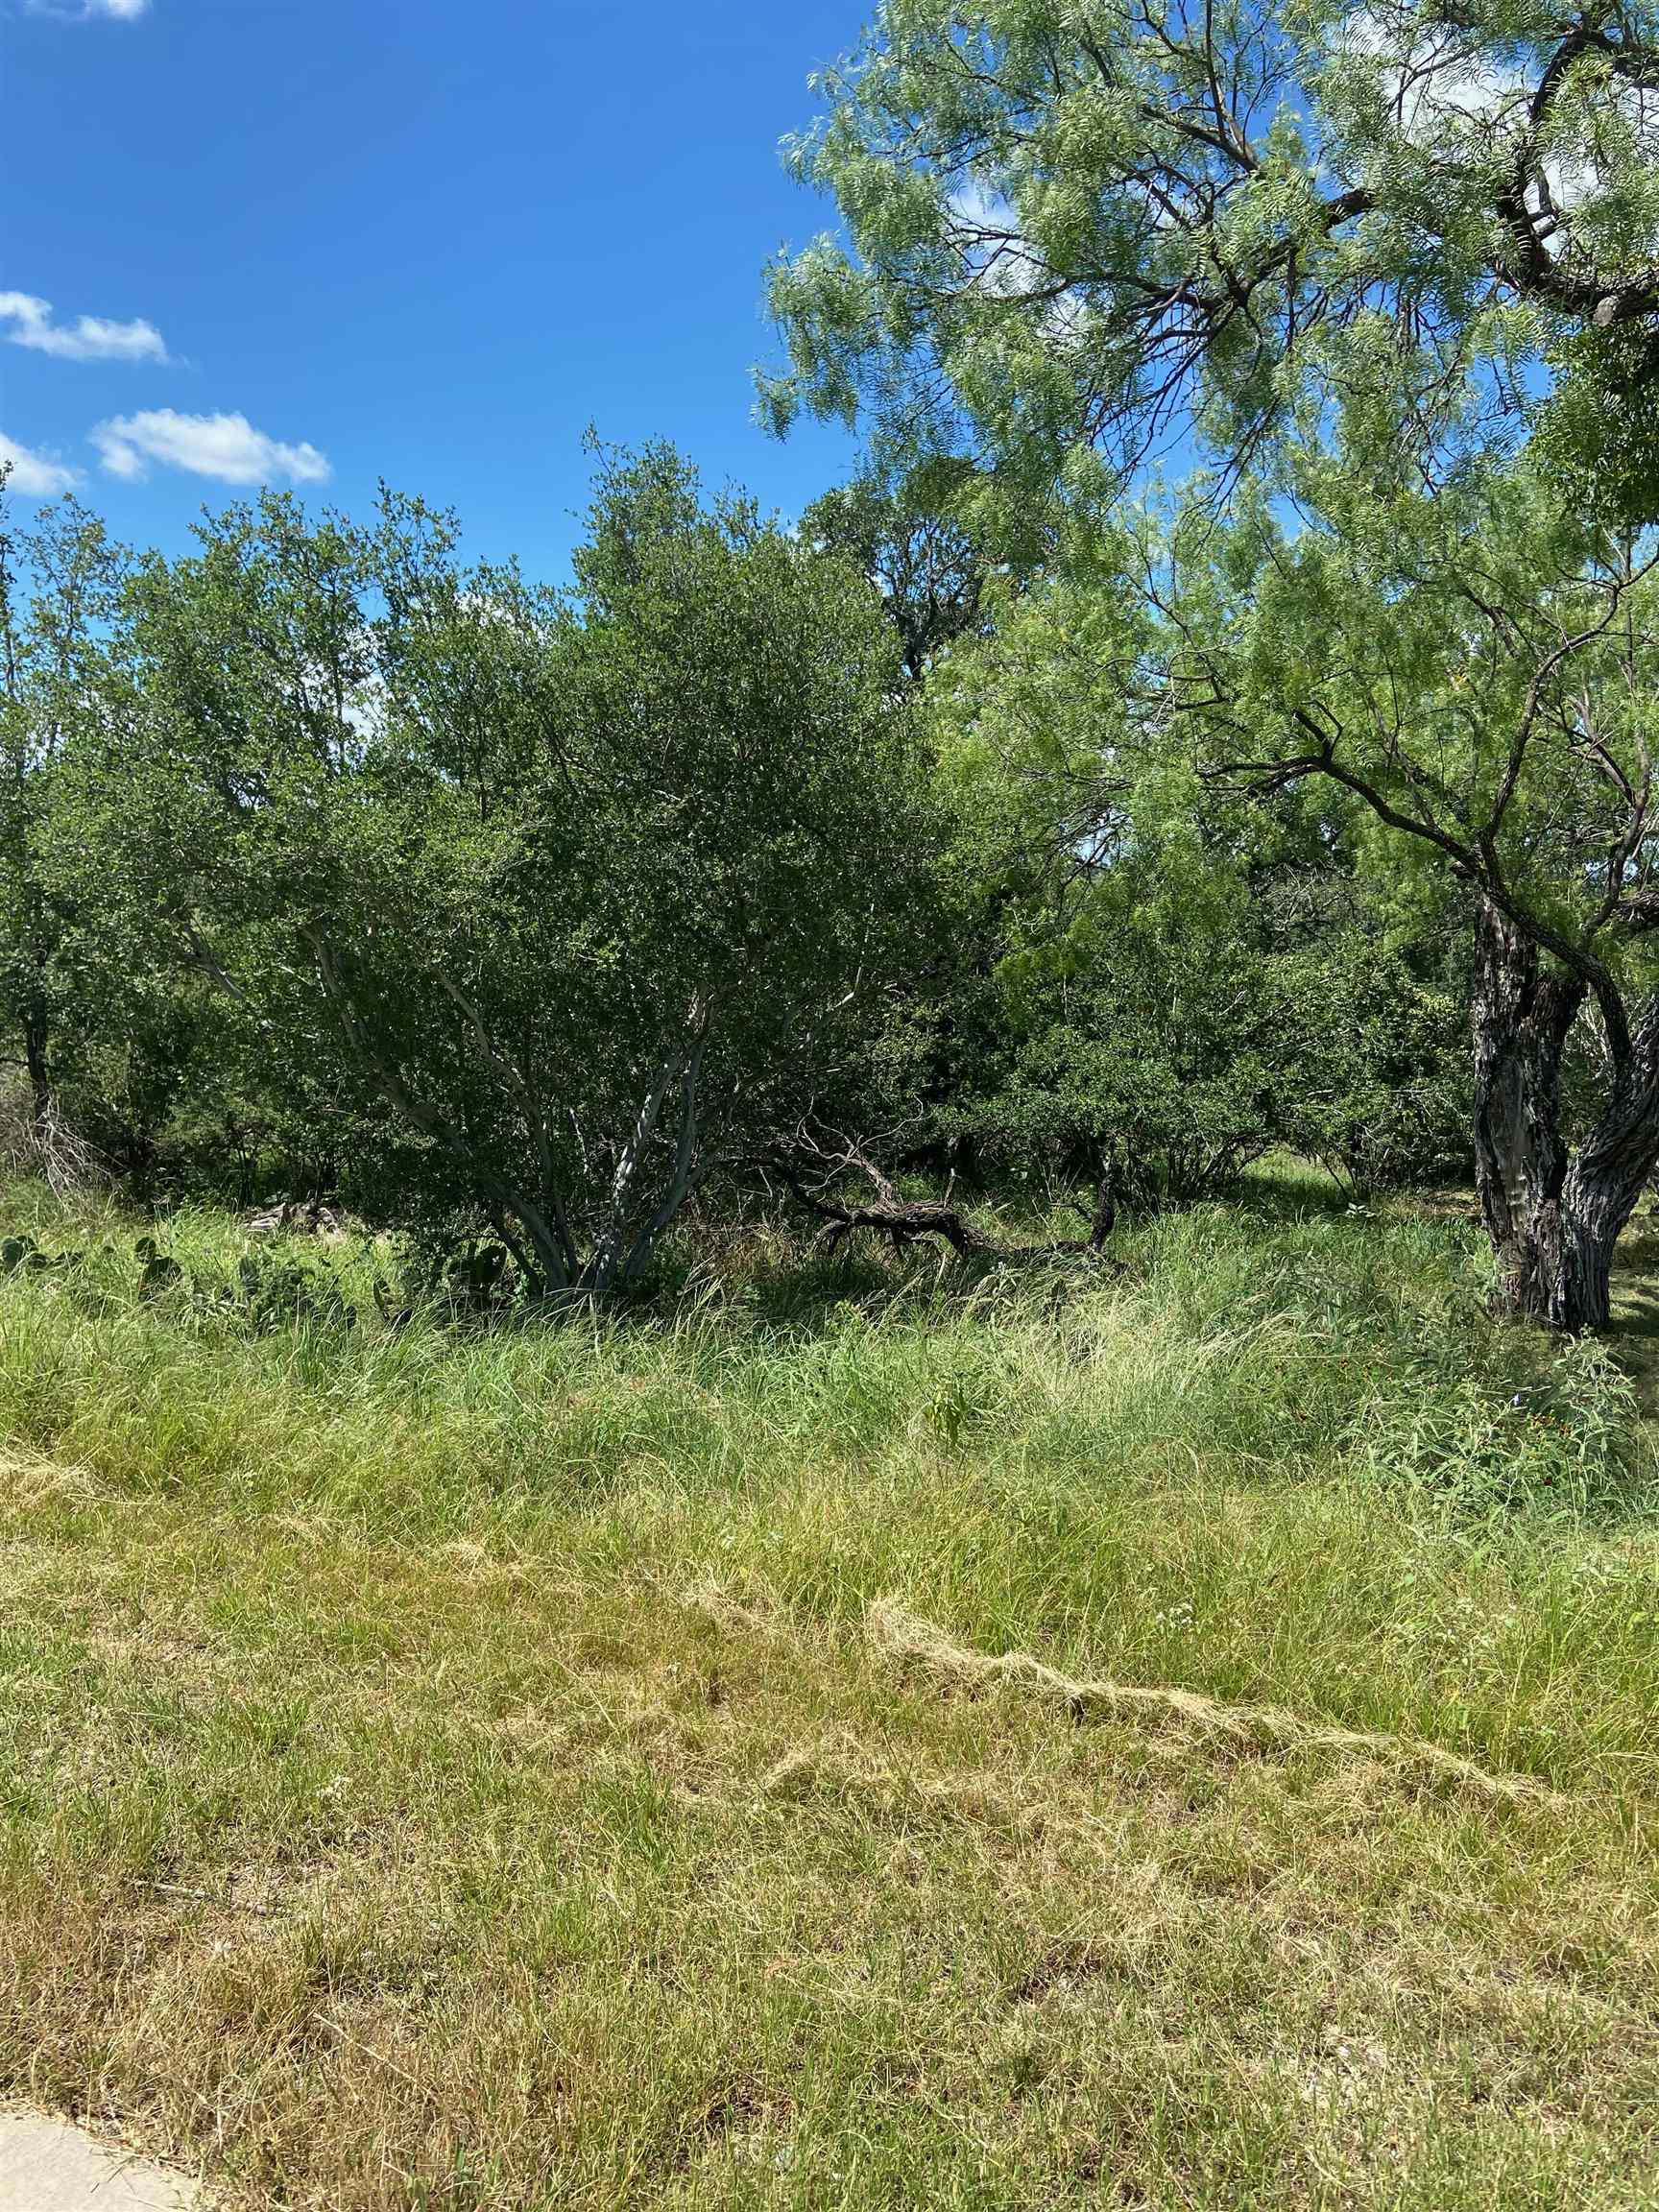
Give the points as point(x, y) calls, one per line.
point(1393, 276)
point(1017, 818)
point(338, 865)
point(573, 894)
point(515, 907)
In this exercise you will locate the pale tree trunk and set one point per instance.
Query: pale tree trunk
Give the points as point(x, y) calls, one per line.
point(1555, 1218)
point(624, 1246)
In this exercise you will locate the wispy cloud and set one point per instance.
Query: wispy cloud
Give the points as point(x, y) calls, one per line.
point(983, 228)
point(36, 476)
point(29, 321)
point(87, 11)
point(92, 10)
point(224, 447)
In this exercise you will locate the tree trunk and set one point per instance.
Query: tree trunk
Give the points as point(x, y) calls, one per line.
point(1613, 1168)
point(532, 1233)
point(1555, 1218)
point(37, 1040)
point(1522, 1018)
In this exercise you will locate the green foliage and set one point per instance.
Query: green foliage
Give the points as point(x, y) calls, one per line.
point(58, 580)
point(1341, 258)
point(1561, 1445)
point(914, 534)
point(1474, 663)
point(1160, 980)
point(108, 1042)
point(1377, 1082)
point(1076, 229)
point(542, 905)
point(1155, 1052)
point(1597, 430)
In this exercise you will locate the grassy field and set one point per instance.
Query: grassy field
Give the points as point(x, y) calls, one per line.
point(562, 1765)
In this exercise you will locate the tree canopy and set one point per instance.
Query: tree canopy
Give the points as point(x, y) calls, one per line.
point(1079, 228)
point(1009, 812)
point(58, 584)
point(557, 897)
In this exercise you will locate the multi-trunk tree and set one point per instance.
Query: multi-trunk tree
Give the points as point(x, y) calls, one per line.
point(564, 895)
point(1481, 677)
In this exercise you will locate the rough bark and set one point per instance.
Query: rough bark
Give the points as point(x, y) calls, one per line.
point(1522, 1016)
point(1554, 1216)
point(1612, 1168)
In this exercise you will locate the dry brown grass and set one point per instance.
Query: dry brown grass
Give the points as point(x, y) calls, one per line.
point(370, 1880)
point(922, 1644)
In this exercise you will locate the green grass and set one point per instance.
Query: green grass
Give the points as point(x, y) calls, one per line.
point(451, 1767)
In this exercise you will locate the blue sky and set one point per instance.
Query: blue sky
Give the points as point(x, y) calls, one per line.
point(428, 240)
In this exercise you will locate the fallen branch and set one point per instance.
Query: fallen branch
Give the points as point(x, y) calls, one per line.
point(904, 1637)
point(817, 1170)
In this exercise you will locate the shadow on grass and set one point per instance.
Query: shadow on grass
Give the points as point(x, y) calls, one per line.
point(1635, 1331)
point(1282, 1188)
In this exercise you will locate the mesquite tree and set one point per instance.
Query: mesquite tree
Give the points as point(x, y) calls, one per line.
point(1321, 242)
point(566, 889)
point(1481, 676)
point(1175, 982)
point(1077, 225)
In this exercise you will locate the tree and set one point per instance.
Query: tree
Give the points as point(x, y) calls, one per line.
point(1354, 254)
point(908, 537)
point(1081, 226)
point(1478, 672)
point(1178, 983)
point(556, 897)
point(57, 586)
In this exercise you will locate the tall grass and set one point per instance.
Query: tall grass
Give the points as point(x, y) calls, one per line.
point(1285, 1451)
point(444, 1763)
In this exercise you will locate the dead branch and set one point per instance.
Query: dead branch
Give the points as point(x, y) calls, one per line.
point(816, 1168)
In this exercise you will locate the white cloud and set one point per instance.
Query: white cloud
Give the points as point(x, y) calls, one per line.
point(36, 476)
point(90, 11)
point(29, 321)
point(983, 228)
point(225, 447)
